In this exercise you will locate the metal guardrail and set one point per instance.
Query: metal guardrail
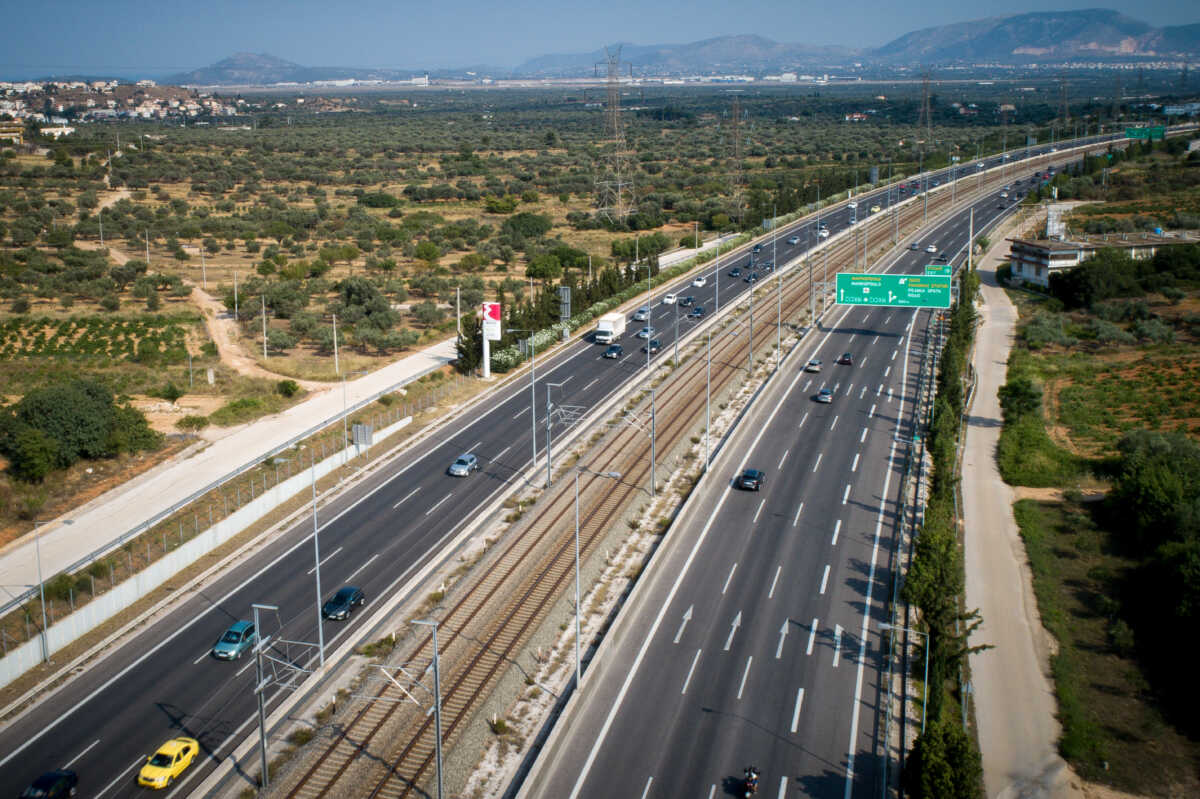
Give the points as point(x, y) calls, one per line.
point(166, 513)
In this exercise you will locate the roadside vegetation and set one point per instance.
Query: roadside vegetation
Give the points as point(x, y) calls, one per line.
point(1102, 403)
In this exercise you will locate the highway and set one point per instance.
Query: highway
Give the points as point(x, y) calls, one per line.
point(758, 640)
point(161, 683)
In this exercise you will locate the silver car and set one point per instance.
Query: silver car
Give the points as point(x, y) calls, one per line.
point(641, 314)
point(813, 366)
point(463, 467)
point(825, 395)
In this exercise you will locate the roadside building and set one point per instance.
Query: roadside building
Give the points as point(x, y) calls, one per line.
point(1034, 260)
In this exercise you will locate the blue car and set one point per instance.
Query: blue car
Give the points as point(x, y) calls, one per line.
point(236, 640)
point(697, 312)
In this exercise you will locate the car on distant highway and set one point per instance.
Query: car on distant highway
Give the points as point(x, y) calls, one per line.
point(751, 277)
point(874, 209)
point(697, 312)
point(700, 282)
point(641, 314)
point(793, 240)
point(614, 351)
point(823, 232)
point(646, 332)
point(752, 480)
point(164, 766)
point(757, 249)
point(941, 258)
point(57, 784)
point(464, 465)
point(846, 360)
point(825, 396)
point(931, 248)
point(735, 272)
point(813, 366)
point(342, 604)
point(914, 246)
point(669, 299)
point(687, 301)
point(767, 266)
point(236, 640)
point(652, 346)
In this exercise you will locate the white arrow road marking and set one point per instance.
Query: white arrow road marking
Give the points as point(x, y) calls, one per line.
point(783, 631)
point(737, 622)
point(687, 616)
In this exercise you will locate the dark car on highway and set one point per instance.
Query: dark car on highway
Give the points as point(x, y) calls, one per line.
point(735, 272)
point(846, 360)
point(52, 785)
point(752, 480)
point(686, 301)
point(697, 312)
point(653, 345)
point(343, 603)
point(614, 351)
point(751, 278)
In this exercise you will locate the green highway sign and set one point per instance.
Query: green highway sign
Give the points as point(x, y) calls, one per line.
point(908, 291)
point(1152, 132)
point(939, 269)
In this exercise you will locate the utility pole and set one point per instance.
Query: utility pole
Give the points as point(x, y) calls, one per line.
point(263, 297)
point(337, 369)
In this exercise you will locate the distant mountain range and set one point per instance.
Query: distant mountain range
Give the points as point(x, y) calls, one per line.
point(1046, 37)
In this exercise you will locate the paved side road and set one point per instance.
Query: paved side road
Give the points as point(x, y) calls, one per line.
point(123, 508)
point(1015, 706)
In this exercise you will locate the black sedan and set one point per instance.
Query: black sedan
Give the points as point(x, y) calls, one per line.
point(342, 604)
point(752, 480)
point(735, 272)
point(52, 785)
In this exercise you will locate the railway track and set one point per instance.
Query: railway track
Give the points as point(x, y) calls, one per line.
point(484, 631)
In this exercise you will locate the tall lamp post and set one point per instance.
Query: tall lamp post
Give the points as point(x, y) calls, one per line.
point(578, 626)
point(317, 558)
point(532, 390)
point(549, 408)
point(437, 700)
point(885, 626)
point(37, 548)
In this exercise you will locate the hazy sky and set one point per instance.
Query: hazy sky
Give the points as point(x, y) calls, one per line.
point(132, 37)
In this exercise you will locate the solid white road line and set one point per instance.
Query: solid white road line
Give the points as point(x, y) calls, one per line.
point(863, 437)
point(440, 501)
point(90, 747)
point(646, 792)
point(354, 573)
point(760, 507)
point(818, 463)
point(745, 674)
point(796, 710)
point(846, 495)
point(589, 385)
point(812, 636)
point(771, 593)
point(854, 466)
point(120, 777)
point(796, 520)
point(521, 412)
point(784, 458)
point(325, 559)
point(727, 579)
point(803, 419)
point(407, 497)
point(688, 679)
point(837, 644)
point(825, 578)
point(837, 528)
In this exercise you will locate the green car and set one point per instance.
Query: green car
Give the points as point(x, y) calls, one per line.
point(236, 640)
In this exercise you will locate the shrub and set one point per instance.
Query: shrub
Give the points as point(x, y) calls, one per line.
point(192, 422)
point(287, 388)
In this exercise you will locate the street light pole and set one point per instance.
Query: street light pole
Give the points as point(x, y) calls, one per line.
point(317, 558)
point(578, 625)
point(260, 689)
point(437, 701)
point(707, 393)
point(37, 546)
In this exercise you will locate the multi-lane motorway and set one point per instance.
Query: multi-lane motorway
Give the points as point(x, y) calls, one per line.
point(759, 642)
point(162, 683)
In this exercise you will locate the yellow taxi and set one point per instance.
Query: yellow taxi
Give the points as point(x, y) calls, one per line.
point(874, 209)
point(165, 765)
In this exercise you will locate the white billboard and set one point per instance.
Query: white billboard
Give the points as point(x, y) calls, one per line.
point(491, 321)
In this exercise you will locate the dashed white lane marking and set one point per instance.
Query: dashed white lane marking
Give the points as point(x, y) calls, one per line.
point(812, 637)
point(817, 465)
point(500, 454)
point(871, 412)
point(784, 458)
point(837, 644)
point(894, 353)
point(589, 385)
point(521, 412)
point(407, 497)
point(728, 578)
point(825, 578)
point(354, 573)
point(863, 437)
point(778, 570)
point(796, 520)
point(760, 507)
point(837, 528)
point(887, 372)
point(782, 786)
point(846, 495)
point(803, 419)
point(325, 559)
point(854, 466)
point(688, 679)
point(120, 776)
point(796, 710)
point(745, 674)
point(440, 501)
point(646, 792)
point(833, 423)
point(90, 747)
